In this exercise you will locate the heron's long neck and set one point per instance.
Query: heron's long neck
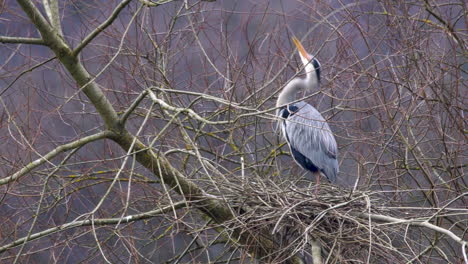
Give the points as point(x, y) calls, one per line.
point(288, 94)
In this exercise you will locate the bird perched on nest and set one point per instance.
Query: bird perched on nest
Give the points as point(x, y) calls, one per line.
point(309, 137)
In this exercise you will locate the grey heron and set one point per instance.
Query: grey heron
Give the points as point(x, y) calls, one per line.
point(308, 135)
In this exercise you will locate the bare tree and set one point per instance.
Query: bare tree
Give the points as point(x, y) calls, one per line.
point(145, 132)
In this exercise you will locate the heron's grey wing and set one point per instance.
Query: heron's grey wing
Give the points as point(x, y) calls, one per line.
point(308, 133)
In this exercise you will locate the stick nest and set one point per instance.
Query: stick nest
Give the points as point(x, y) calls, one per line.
point(294, 217)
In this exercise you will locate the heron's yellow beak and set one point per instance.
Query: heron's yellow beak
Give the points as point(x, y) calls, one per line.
point(301, 48)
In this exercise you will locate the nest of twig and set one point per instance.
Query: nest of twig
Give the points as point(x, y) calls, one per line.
point(293, 217)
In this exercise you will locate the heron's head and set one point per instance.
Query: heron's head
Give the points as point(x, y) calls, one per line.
point(311, 64)
point(305, 57)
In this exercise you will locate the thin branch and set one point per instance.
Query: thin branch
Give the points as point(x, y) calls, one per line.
point(154, 4)
point(22, 40)
point(414, 222)
point(446, 25)
point(200, 45)
point(122, 166)
point(52, 154)
point(101, 27)
point(89, 222)
point(132, 107)
point(24, 72)
point(464, 245)
point(41, 199)
point(447, 205)
point(189, 111)
point(190, 244)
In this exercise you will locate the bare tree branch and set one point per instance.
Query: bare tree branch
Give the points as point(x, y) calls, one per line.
point(97, 222)
point(21, 40)
point(101, 27)
point(189, 111)
point(52, 10)
point(415, 222)
point(52, 154)
point(132, 107)
point(24, 72)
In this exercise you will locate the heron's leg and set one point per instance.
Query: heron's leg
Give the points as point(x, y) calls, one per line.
point(317, 177)
point(317, 181)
